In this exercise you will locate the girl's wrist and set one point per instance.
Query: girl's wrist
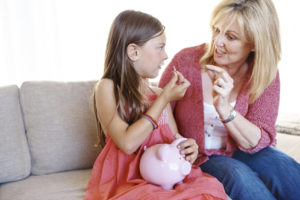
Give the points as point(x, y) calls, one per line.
point(164, 97)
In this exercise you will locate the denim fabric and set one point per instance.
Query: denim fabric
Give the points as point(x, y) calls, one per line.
point(266, 175)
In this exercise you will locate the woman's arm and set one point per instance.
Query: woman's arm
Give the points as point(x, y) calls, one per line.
point(263, 113)
point(129, 137)
point(257, 129)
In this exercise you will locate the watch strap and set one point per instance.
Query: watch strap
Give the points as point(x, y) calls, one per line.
point(231, 117)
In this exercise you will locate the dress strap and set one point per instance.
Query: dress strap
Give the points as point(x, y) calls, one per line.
point(151, 90)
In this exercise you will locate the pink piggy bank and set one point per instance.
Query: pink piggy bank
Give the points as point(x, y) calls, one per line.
point(162, 164)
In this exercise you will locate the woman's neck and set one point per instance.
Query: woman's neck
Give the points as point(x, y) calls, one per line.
point(238, 73)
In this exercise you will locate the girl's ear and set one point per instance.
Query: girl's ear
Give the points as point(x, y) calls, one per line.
point(132, 52)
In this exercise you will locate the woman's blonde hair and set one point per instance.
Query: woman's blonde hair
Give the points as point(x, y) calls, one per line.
point(259, 23)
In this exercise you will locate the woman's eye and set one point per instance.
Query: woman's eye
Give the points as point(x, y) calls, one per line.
point(230, 37)
point(216, 30)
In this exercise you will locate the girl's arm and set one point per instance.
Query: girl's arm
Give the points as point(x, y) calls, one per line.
point(129, 137)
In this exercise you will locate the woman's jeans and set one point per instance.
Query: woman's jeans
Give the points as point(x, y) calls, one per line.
point(268, 174)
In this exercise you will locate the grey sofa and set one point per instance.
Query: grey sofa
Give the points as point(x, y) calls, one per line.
point(48, 137)
point(47, 140)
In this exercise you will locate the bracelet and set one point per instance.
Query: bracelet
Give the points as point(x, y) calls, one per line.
point(231, 117)
point(150, 119)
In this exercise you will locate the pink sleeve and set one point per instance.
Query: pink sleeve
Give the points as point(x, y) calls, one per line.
point(263, 113)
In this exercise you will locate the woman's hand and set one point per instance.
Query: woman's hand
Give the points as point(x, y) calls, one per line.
point(222, 87)
point(189, 148)
point(176, 87)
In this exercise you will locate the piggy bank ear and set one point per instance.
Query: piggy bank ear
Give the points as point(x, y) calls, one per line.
point(162, 152)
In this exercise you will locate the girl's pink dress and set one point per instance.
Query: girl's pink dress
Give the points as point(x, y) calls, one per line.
point(115, 175)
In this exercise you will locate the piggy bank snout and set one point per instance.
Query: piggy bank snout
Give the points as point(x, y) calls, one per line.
point(186, 168)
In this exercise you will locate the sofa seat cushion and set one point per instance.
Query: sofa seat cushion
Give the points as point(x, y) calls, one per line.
point(60, 124)
point(289, 144)
point(288, 123)
point(14, 153)
point(65, 185)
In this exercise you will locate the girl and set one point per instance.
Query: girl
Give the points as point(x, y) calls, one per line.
point(128, 109)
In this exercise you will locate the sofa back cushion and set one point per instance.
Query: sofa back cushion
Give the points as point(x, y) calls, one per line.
point(60, 124)
point(14, 152)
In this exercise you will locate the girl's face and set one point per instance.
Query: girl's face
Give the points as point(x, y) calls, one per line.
point(151, 57)
point(230, 46)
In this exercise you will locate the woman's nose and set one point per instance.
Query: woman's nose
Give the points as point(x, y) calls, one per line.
point(219, 40)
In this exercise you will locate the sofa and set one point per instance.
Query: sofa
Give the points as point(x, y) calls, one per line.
point(48, 136)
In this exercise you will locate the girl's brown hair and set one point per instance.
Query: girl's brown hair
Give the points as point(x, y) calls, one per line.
point(129, 27)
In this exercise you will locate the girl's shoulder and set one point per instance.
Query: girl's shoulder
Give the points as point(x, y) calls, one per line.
point(105, 86)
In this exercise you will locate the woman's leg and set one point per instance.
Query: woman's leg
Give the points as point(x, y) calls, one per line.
point(279, 172)
point(240, 181)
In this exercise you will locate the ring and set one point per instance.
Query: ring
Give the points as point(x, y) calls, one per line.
point(220, 85)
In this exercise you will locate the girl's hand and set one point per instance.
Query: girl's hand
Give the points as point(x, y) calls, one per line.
point(189, 149)
point(222, 87)
point(176, 87)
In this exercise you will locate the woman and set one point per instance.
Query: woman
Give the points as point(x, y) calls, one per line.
point(231, 107)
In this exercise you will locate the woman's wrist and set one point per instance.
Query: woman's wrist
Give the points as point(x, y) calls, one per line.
point(231, 117)
point(225, 112)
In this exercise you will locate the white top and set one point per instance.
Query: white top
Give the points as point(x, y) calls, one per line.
point(215, 131)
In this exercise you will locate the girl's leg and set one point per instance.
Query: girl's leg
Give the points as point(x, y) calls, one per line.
point(279, 172)
point(240, 181)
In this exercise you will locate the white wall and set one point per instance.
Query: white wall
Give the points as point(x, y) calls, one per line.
point(65, 39)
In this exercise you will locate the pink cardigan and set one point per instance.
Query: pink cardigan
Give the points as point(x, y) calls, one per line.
point(189, 115)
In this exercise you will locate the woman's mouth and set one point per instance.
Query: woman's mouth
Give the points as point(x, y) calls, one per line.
point(219, 52)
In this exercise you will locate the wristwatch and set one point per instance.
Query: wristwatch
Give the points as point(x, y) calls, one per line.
point(231, 117)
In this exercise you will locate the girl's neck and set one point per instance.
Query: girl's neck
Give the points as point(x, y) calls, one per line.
point(144, 87)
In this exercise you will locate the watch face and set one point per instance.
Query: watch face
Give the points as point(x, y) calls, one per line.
point(231, 117)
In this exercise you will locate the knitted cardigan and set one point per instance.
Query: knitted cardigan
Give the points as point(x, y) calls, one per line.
point(189, 112)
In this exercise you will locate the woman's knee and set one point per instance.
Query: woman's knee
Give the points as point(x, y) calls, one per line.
point(239, 180)
point(279, 172)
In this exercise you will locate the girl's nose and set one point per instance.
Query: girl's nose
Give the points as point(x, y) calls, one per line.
point(165, 55)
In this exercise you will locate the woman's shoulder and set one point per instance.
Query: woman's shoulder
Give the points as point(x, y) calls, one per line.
point(194, 51)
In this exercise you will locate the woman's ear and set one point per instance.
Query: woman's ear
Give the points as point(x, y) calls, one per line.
point(132, 52)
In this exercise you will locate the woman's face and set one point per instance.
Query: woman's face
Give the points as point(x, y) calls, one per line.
point(151, 57)
point(230, 46)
